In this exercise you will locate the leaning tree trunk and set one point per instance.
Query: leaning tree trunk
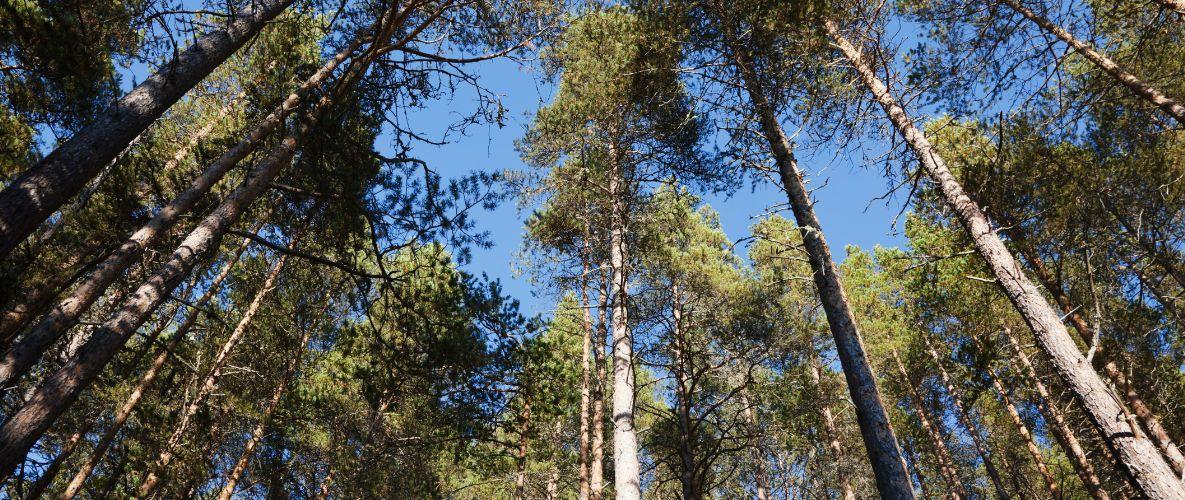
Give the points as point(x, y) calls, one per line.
point(236, 473)
point(1023, 429)
point(1125, 78)
point(1066, 436)
point(946, 465)
point(1140, 455)
point(627, 473)
point(1111, 370)
point(210, 382)
point(830, 433)
point(149, 376)
point(24, 355)
point(888, 466)
point(57, 392)
point(37, 193)
point(33, 303)
point(982, 447)
point(907, 448)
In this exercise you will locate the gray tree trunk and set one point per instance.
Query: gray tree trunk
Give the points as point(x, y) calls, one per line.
point(627, 473)
point(37, 193)
point(1153, 475)
point(66, 314)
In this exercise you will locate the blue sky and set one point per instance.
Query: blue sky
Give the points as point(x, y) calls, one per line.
point(845, 204)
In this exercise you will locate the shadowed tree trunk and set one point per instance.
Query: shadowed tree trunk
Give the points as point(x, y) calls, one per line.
point(945, 464)
point(149, 376)
point(21, 358)
point(1140, 455)
point(33, 196)
point(209, 383)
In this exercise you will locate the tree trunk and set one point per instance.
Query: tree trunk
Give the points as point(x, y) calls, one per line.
point(38, 299)
point(1061, 428)
point(149, 376)
point(1143, 413)
point(597, 461)
point(524, 444)
point(627, 475)
point(684, 389)
point(51, 471)
point(830, 433)
point(58, 392)
point(210, 381)
point(1154, 476)
point(585, 379)
point(946, 465)
point(20, 359)
point(34, 196)
point(1023, 430)
point(982, 447)
point(760, 481)
point(892, 478)
point(1133, 83)
point(236, 473)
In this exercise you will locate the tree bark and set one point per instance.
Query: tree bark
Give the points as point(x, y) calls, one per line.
point(945, 464)
point(1140, 455)
point(149, 376)
point(210, 382)
point(1143, 412)
point(597, 461)
point(1061, 428)
point(236, 473)
point(524, 443)
point(830, 433)
point(1021, 428)
point(51, 472)
point(684, 389)
point(34, 196)
point(1125, 78)
point(982, 447)
point(888, 466)
point(627, 475)
point(585, 379)
point(21, 358)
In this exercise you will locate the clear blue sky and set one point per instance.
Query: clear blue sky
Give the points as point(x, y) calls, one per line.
point(845, 205)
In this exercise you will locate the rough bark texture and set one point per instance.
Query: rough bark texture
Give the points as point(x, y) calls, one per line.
point(1143, 413)
point(831, 434)
point(1133, 83)
point(585, 381)
point(982, 447)
point(66, 314)
point(945, 464)
point(149, 377)
point(1066, 436)
point(33, 196)
point(888, 466)
point(209, 383)
point(1141, 457)
point(627, 472)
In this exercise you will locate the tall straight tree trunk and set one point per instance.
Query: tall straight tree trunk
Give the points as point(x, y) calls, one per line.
point(36, 194)
point(1148, 419)
point(236, 473)
point(627, 473)
point(962, 412)
point(684, 391)
point(1066, 436)
point(524, 444)
point(888, 466)
point(57, 392)
point(757, 450)
point(21, 358)
point(830, 433)
point(149, 376)
point(1051, 484)
point(1125, 78)
point(946, 465)
point(597, 461)
point(1140, 455)
point(585, 378)
point(210, 382)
